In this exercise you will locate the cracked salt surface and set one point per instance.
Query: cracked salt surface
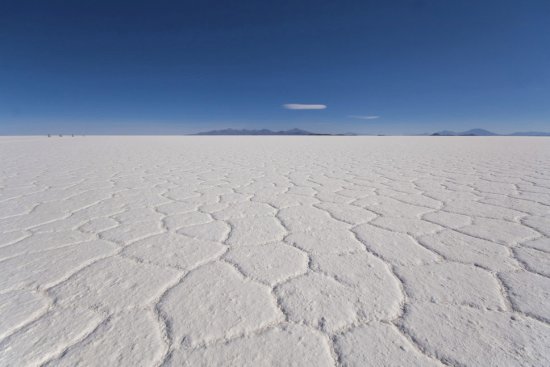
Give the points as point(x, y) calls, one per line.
point(260, 251)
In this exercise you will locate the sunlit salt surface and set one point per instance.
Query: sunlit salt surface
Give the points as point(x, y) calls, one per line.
point(258, 251)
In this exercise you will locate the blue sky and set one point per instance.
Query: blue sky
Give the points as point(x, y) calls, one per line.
point(159, 67)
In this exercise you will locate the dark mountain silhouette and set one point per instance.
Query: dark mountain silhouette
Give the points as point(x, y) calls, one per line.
point(300, 132)
point(483, 132)
point(258, 132)
point(472, 132)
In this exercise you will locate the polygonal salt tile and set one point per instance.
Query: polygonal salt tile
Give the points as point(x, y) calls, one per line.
point(356, 193)
point(213, 207)
point(375, 300)
point(168, 249)
point(300, 190)
point(234, 197)
point(460, 247)
point(282, 201)
point(452, 283)
point(255, 231)
point(138, 215)
point(517, 204)
point(125, 234)
point(270, 263)
point(42, 214)
point(413, 199)
point(414, 227)
point(347, 213)
point(477, 209)
point(115, 283)
point(173, 222)
point(307, 219)
point(448, 220)
point(380, 344)
point(319, 301)
point(130, 338)
point(288, 345)
point(212, 231)
point(45, 268)
point(180, 194)
point(245, 210)
point(535, 260)
point(8, 238)
point(453, 193)
point(541, 244)
point(506, 233)
point(61, 225)
point(527, 190)
point(215, 302)
point(141, 198)
point(47, 337)
point(396, 248)
point(541, 224)
point(390, 207)
point(104, 209)
point(261, 189)
point(337, 240)
point(529, 293)
point(19, 307)
point(44, 241)
point(98, 225)
point(502, 188)
point(214, 190)
point(333, 197)
point(178, 207)
point(15, 207)
point(466, 336)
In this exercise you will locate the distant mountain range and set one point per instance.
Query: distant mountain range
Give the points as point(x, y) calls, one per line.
point(300, 132)
point(483, 132)
point(472, 132)
point(262, 132)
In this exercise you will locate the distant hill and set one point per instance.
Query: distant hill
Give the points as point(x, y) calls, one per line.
point(483, 132)
point(258, 132)
point(472, 132)
point(300, 132)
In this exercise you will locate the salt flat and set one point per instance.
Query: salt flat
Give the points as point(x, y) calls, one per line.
point(258, 251)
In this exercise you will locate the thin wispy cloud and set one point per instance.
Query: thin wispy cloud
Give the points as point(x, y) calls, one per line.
point(300, 106)
point(364, 117)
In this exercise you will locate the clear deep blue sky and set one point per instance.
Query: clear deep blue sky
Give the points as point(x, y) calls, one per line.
point(135, 67)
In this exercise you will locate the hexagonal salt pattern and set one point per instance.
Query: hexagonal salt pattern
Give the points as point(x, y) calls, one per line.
point(303, 251)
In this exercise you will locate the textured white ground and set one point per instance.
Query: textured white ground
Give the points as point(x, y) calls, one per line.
point(259, 251)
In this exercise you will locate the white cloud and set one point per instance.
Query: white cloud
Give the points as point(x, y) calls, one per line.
point(298, 106)
point(364, 117)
